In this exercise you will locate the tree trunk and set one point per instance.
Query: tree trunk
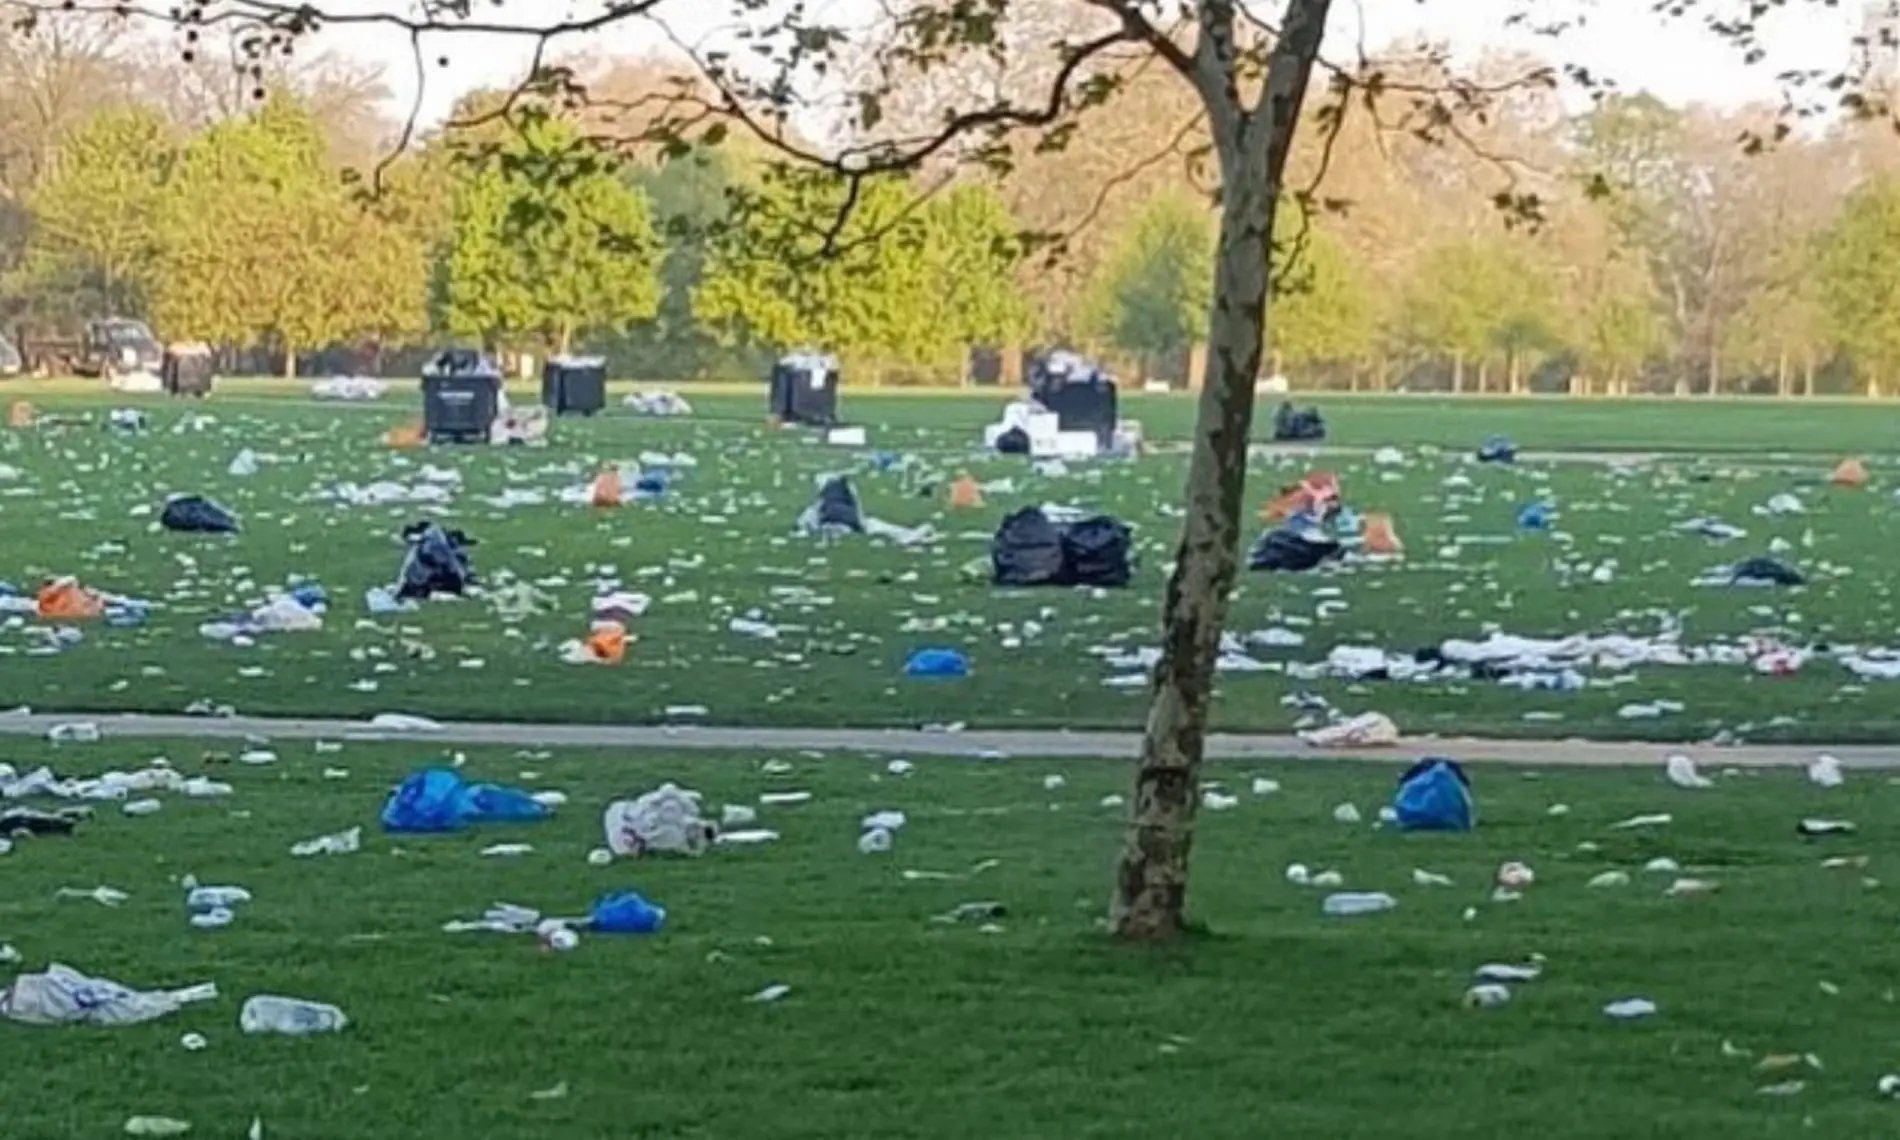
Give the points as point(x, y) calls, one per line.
point(290, 361)
point(1783, 377)
point(1458, 374)
point(1151, 882)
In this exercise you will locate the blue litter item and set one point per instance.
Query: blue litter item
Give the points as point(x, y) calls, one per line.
point(124, 615)
point(1497, 449)
point(311, 596)
point(427, 801)
point(435, 800)
point(652, 482)
point(885, 460)
point(625, 912)
point(1535, 516)
point(498, 803)
point(937, 663)
point(1435, 795)
point(1348, 523)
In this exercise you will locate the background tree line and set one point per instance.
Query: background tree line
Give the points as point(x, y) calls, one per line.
point(212, 200)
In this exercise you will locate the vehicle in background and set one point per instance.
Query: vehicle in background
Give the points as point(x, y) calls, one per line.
point(103, 349)
point(11, 363)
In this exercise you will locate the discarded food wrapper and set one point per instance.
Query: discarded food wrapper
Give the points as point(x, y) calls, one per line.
point(1630, 1009)
point(156, 1126)
point(1681, 771)
point(1367, 730)
point(1825, 771)
point(665, 820)
point(64, 996)
point(337, 843)
point(1487, 996)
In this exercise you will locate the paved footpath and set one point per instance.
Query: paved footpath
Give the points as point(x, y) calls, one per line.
point(991, 744)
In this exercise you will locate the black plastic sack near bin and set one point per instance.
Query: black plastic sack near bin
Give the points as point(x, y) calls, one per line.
point(1288, 551)
point(1031, 550)
point(461, 396)
point(576, 384)
point(188, 369)
point(1297, 425)
point(805, 390)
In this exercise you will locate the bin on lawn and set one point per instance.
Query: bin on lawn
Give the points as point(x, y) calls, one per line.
point(1082, 396)
point(461, 396)
point(805, 389)
point(575, 384)
point(188, 369)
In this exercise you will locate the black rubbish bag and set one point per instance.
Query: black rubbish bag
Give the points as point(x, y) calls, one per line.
point(1291, 551)
point(1095, 552)
point(1765, 571)
point(838, 505)
point(1014, 441)
point(1297, 425)
point(195, 514)
point(1028, 550)
point(1497, 449)
point(437, 562)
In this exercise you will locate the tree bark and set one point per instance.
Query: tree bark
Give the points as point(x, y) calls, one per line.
point(290, 361)
point(1150, 902)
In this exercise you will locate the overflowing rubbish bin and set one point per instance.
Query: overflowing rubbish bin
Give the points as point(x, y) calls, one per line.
point(1082, 396)
point(574, 385)
point(188, 368)
point(804, 389)
point(461, 397)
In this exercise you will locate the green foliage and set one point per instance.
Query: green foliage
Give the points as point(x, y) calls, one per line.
point(1153, 294)
point(1479, 298)
point(93, 242)
point(903, 279)
point(549, 240)
point(1319, 312)
point(258, 241)
point(1858, 278)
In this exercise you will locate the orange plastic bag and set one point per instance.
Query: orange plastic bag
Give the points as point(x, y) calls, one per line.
point(607, 644)
point(63, 599)
point(21, 415)
point(406, 436)
point(1851, 473)
point(965, 494)
point(607, 489)
point(1382, 538)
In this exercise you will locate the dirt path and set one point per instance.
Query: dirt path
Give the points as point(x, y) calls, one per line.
point(993, 744)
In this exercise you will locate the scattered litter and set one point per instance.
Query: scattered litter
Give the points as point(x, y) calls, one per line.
point(1630, 1009)
point(64, 996)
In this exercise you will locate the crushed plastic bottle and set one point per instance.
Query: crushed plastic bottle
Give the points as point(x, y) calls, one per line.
point(1351, 904)
point(291, 1016)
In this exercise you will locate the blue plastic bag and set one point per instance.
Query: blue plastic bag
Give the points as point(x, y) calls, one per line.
point(624, 912)
point(427, 801)
point(1434, 795)
point(937, 663)
point(1497, 449)
point(1535, 516)
point(496, 803)
point(436, 800)
point(311, 596)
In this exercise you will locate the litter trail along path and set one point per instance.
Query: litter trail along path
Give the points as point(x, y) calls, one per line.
point(1082, 745)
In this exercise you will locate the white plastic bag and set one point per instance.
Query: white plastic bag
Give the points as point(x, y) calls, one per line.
point(665, 820)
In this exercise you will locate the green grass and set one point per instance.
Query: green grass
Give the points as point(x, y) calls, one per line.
point(898, 1026)
point(1734, 425)
point(722, 546)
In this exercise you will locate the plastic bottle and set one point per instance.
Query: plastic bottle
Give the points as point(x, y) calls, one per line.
point(1349, 904)
point(293, 1016)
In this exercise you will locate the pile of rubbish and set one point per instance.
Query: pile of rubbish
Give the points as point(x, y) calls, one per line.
point(1053, 546)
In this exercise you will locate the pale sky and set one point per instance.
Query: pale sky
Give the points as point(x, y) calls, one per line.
point(1620, 39)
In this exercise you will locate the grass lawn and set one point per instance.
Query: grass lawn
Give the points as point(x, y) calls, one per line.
point(1721, 425)
point(721, 546)
point(899, 1026)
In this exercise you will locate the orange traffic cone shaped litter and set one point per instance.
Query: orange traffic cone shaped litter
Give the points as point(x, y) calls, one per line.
point(607, 488)
point(1281, 507)
point(1851, 473)
point(63, 599)
point(607, 644)
point(965, 494)
point(405, 436)
point(1381, 537)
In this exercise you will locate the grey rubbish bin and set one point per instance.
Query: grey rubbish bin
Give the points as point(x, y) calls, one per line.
point(188, 369)
point(576, 384)
point(461, 396)
point(804, 389)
